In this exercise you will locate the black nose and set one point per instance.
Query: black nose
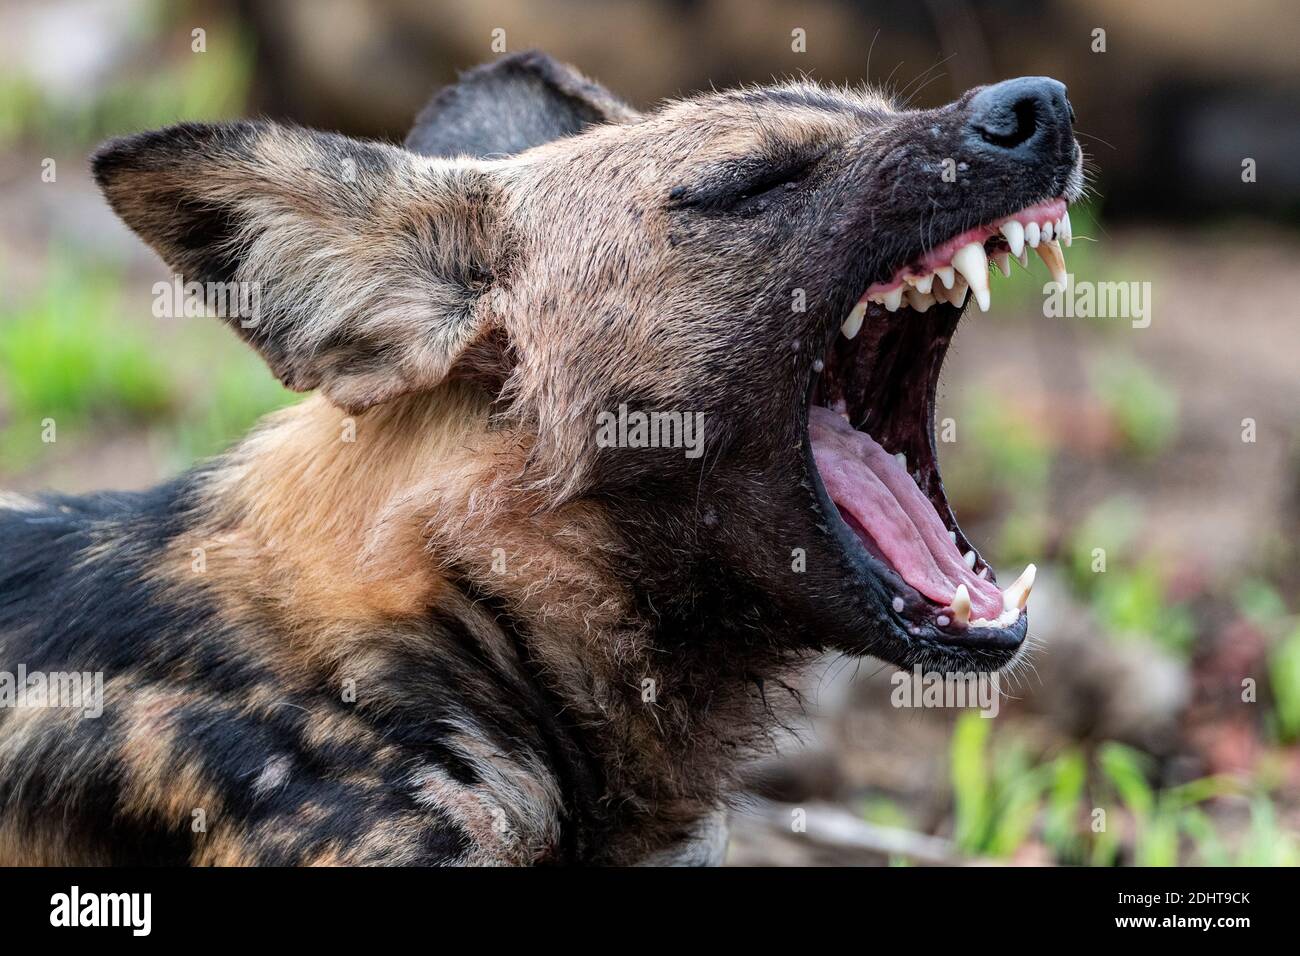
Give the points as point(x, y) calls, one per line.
point(1026, 116)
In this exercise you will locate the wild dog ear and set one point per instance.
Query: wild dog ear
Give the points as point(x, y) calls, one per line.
point(512, 104)
point(368, 263)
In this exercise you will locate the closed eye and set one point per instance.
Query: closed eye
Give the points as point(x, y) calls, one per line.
point(738, 184)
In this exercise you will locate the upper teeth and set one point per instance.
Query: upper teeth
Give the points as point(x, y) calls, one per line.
point(1050, 252)
point(920, 283)
point(1015, 234)
point(969, 268)
point(973, 264)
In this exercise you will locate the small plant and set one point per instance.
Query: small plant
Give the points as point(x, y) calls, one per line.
point(1284, 679)
point(1002, 799)
point(997, 792)
point(1267, 844)
point(1160, 817)
point(65, 355)
point(1065, 800)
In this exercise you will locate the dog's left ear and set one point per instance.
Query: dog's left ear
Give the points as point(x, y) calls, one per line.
point(368, 265)
point(512, 104)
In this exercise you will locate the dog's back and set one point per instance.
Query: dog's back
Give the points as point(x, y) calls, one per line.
point(148, 724)
point(75, 608)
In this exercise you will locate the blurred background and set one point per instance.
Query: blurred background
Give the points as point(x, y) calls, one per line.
point(1165, 689)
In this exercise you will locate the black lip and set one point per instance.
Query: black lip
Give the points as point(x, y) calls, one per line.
point(897, 639)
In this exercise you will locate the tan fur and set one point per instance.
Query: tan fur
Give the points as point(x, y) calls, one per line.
point(343, 539)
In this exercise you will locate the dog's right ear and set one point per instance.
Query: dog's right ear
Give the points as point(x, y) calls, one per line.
point(371, 265)
point(517, 102)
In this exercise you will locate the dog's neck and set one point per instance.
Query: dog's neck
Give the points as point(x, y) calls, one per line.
point(404, 526)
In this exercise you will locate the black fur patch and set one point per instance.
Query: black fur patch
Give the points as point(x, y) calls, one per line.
point(76, 593)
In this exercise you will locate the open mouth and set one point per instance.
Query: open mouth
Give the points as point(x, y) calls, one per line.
point(871, 425)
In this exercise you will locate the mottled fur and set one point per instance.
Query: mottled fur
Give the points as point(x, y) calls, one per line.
point(414, 618)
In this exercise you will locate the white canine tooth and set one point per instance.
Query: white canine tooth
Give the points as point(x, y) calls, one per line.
point(946, 275)
point(953, 535)
point(1047, 230)
point(901, 459)
point(1064, 233)
point(893, 298)
point(1003, 259)
point(1050, 252)
point(971, 261)
point(984, 573)
point(1015, 234)
point(1032, 234)
point(920, 301)
point(1023, 258)
point(1017, 596)
point(969, 558)
point(853, 324)
point(961, 606)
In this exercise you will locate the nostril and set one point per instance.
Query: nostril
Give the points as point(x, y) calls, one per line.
point(1012, 127)
point(1011, 114)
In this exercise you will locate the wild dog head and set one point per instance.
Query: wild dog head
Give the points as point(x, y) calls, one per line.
point(783, 266)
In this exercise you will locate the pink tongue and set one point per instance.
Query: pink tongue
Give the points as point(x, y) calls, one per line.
point(867, 482)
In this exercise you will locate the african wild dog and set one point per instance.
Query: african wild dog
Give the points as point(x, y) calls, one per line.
point(474, 634)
